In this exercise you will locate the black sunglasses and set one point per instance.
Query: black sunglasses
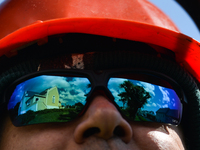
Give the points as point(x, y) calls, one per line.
point(63, 95)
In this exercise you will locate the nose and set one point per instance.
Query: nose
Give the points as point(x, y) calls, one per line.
point(102, 120)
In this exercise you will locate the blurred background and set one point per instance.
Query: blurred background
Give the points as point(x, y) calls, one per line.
point(184, 13)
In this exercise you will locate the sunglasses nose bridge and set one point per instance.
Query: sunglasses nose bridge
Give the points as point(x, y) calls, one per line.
point(99, 85)
point(102, 90)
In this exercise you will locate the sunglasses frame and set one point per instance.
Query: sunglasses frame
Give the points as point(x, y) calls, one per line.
point(99, 79)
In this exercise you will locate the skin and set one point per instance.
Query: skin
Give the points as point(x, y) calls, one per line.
point(101, 127)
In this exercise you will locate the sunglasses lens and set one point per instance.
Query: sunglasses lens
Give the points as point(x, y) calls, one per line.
point(143, 101)
point(48, 98)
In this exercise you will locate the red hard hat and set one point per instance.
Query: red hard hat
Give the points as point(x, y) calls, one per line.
point(24, 21)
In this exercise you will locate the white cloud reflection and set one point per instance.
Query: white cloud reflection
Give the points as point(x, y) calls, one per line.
point(166, 95)
point(148, 87)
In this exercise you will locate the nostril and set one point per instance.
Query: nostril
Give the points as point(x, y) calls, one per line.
point(119, 131)
point(91, 131)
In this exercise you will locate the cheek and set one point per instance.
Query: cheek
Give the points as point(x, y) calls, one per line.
point(156, 138)
point(45, 137)
point(166, 141)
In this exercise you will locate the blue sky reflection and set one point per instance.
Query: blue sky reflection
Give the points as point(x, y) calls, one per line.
point(161, 97)
point(71, 90)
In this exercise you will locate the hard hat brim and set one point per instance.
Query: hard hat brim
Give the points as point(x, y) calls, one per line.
point(186, 49)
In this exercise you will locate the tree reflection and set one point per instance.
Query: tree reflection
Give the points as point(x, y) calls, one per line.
point(133, 98)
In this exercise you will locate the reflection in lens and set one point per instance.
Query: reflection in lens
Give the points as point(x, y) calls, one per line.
point(48, 99)
point(142, 101)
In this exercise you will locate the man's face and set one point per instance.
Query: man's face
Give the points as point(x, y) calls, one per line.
point(100, 127)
